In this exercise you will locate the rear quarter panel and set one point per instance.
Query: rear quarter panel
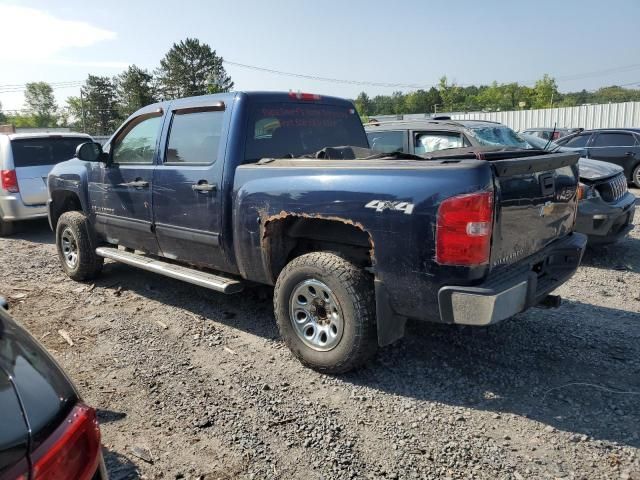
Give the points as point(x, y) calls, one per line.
point(403, 244)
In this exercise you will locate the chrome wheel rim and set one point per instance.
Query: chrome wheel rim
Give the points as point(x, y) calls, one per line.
point(316, 315)
point(69, 247)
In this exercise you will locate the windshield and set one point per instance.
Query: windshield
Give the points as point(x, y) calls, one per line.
point(34, 152)
point(498, 135)
point(287, 130)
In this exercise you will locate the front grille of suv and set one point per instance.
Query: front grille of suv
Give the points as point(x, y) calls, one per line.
point(613, 189)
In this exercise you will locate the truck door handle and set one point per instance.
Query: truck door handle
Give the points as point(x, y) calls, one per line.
point(138, 183)
point(203, 187)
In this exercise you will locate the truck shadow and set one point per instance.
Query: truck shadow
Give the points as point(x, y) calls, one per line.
point(526, 366)
point(575, 369)
point(34, 231)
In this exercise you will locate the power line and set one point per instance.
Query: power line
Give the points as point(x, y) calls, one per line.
point(14, 88)
point(325, 79)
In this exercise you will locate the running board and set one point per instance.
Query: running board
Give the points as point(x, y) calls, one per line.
point(186, 274)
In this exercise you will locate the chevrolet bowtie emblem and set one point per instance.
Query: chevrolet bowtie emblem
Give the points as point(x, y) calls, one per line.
point(547, 209)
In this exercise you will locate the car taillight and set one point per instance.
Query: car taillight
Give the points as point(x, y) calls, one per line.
point(72, 450)
point(304, 96)
point(463, 232)
point(9, 181)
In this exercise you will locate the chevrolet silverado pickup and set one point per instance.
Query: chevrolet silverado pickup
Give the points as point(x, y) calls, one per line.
point(231, 190)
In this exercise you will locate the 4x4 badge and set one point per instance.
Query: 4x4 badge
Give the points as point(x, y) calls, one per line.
point(382, 205)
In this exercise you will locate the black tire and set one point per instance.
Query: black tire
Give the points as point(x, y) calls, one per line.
point(73, 227)
point(352, 288)
point(635, 177)
point(6, 228)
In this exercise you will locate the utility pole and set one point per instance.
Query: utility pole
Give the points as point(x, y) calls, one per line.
point(84, 124)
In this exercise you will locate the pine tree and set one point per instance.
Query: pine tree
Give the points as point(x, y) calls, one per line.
point(192, 68)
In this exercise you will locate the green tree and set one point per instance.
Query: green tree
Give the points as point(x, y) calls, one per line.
point(545, 91)
point(39, 98)
point(192, 68)
point(134, 90)
point(96, 110)
point(452, 95)
point(397, 102)
point(22, 121)
point(363, 105)
point(422, 101)
point(3, 117)
point(382, 105)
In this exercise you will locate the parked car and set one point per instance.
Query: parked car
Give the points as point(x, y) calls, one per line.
point(281, 189)
point(606, 208)
point(426, 137)
point(46, 432)
point(25, 161)
point(620, 146)
point(551, 133)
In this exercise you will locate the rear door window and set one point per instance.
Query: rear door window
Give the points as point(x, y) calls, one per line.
point(35, 152)
point(614, 140)
point(387, 142)
point(427, 142)
point(194, 137)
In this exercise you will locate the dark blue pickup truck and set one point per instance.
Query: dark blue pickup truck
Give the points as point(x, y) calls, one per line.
point(230, 190)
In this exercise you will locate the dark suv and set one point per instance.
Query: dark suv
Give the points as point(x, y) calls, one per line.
point(615, 145)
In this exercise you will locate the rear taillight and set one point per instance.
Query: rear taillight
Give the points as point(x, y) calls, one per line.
point(9, 181)
point(72, 450)
point(463, 233)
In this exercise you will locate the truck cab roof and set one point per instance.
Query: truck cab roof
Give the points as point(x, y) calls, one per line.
point(18, 136)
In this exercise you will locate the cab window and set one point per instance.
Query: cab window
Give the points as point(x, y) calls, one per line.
point(137, 143)
point(386, 142)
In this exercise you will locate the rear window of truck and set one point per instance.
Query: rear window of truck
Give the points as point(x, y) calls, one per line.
point(34, 152)
point(289, 130)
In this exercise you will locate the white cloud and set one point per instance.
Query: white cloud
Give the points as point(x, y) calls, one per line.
point(37, 37)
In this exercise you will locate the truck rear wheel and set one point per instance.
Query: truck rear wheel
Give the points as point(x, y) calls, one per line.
point(325, 310)
point(76, 252)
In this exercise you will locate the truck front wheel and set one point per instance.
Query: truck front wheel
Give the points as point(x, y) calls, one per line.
point(76, 252)
point(325, 310)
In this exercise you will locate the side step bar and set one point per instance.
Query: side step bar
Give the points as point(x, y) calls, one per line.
point(189, 275)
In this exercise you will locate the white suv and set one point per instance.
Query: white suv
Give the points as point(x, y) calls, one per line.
point(25, 161)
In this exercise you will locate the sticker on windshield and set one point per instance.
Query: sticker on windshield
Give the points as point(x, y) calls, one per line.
point(382, 205)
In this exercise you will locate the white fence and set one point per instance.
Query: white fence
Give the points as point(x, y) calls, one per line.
point(608, 115)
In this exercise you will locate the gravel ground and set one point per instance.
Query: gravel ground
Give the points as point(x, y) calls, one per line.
point(193, 384)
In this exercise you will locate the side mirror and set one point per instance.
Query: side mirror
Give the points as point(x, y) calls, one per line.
point(3, 304)
point(90, 152)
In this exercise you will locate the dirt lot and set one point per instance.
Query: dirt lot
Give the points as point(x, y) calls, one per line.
point(193, 384)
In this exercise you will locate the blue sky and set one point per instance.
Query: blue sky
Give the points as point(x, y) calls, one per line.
point(407, 42)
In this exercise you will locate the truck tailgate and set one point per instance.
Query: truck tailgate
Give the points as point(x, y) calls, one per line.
point(536, 203)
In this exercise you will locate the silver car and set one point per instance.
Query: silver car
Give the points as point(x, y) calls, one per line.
point(25, 161)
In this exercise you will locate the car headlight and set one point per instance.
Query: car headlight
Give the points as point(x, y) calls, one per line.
point(586, 192)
